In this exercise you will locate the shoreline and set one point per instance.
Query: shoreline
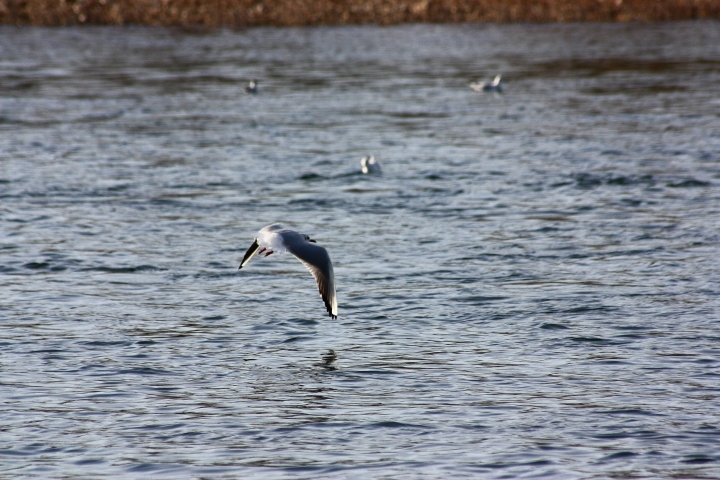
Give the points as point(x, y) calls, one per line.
point(251, 13)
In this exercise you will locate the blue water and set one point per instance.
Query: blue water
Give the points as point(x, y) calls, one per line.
point(530, 289)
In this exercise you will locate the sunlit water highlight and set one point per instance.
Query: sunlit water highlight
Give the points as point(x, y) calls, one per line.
point(531, 287)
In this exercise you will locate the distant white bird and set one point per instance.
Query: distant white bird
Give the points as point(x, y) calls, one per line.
point(494, 86)
point(274, 238)
point(370, 165)
point(251, 87)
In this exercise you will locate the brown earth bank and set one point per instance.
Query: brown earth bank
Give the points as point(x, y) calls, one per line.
point(240, 13)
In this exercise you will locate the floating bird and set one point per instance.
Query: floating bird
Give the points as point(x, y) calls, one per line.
point(370, 165)
point(251, 87)
point(494, 86)
point(274, 238)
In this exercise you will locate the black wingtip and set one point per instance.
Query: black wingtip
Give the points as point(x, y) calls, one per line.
point(329, 309)
point(250, 252)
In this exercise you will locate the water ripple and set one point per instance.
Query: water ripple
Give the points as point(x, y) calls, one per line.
point(529, 289)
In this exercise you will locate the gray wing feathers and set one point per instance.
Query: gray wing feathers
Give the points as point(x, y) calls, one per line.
point(316, 259)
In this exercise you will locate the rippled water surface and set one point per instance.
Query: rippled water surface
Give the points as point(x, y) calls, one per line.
point(531, 288)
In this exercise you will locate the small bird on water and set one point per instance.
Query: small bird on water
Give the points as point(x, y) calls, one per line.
point(251, 87)
point(494, 86)
point(274, 238)
point(370, 165)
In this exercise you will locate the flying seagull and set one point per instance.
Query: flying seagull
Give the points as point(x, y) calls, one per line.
point(370, 165)
point(274, 238)
point(494, 86)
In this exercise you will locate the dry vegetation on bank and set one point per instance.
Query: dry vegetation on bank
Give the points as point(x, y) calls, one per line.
point(238, 13)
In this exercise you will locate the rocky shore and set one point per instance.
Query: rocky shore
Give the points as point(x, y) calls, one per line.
point(241, 13)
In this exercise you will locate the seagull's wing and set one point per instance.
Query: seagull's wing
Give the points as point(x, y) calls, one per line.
point(248, 255)
point(316, 259)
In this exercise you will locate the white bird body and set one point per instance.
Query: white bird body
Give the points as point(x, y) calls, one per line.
point(270, 239)
point(274, 238)
point(370, 165)
point(494, 86)
point(251, 87)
